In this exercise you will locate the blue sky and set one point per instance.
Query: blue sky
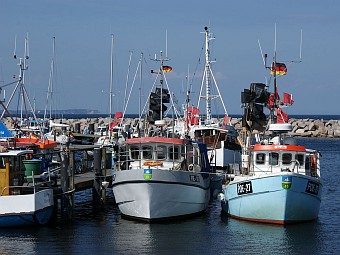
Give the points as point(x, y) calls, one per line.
point(83, 39)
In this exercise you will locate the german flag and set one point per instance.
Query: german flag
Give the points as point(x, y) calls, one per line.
point(167, 69)
point(281, 69)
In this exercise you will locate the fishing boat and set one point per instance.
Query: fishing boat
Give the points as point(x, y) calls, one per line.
point(220, 136)
point(23, 200)
point(280, 180)
point(57, 133)
point(161, 176)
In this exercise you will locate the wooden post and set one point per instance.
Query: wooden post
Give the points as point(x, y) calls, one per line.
point(67, 185)
point(98, 191)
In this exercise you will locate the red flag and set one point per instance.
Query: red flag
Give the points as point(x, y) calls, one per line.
point(281, 116)
point(271, 100)
point(193, 120)
point(118, 115)
point(193, 110)
point(288, 98)
point(112, 125)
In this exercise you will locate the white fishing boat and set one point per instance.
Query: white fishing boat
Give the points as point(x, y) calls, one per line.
point(280, 180)
point(57, 133)
point(22, 201)
point(161, 177)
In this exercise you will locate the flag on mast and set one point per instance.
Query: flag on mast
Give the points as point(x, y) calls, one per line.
point(281, 69)
point(288, 98)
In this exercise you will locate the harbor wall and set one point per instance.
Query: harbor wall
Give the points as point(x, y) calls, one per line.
point(301, 127)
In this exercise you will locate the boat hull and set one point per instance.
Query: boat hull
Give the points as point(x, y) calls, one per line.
point(161, 195)
point(279, 198)
point(23, 210)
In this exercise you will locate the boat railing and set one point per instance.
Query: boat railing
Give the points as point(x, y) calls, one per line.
point(24, 189)
point(31, 183)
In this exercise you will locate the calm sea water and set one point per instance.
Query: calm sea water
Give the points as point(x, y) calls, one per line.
point(105, 232)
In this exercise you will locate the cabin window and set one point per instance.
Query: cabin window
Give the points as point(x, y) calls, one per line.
point(161, 152)
point(260, 158)
point(286, 158)
point(273, 158)
point(147, 152)
point(134, 152)
point(299, 158)
point(174, 152)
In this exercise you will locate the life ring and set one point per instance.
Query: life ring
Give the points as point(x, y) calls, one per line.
point(153, 163)
point(191, 167)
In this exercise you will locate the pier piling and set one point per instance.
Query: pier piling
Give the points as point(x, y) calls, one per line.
point(99, 165)
point(67, 185)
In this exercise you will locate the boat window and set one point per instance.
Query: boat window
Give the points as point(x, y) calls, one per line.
point(273, 158)
point(286, 158)
point(147, 152)
point(161, 152)
point(134, 152)
point(174, 152)
point(299, 158)
point(260, 158)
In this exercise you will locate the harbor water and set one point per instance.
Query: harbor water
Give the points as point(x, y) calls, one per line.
point(105, 232)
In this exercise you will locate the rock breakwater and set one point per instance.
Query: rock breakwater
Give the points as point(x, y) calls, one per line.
point(301, 127)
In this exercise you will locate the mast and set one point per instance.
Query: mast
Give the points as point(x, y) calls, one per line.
point(161, 81)
point(20, 85)
point(50, 83)
point(111, 83)
point(140, 87)
point(207, 77)
point(207, 70)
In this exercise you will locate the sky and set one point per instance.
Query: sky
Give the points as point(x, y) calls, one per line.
point(83, 29)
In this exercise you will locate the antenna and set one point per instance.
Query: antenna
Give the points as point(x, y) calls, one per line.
point(275, 40)
point(166, 43)
point(263, 56)
point(15, 47)
point(27, 49)
point(301, 46)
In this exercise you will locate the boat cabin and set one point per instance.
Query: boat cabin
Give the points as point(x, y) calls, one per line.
point(102, 130)
point(167, 153)
point(12, 169)
point(284, 158)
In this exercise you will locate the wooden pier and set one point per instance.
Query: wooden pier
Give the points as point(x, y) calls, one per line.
point(93, 172)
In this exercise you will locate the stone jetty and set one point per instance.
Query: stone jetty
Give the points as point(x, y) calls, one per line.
point(301, 127)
